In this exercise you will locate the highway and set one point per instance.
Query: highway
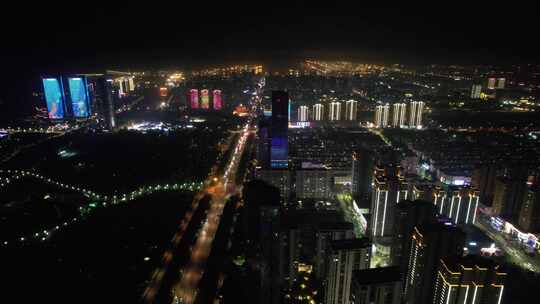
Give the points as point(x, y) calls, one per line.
point(185, 291)
point(187, 273)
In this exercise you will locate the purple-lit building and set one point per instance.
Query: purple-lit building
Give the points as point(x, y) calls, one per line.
point(279, 148)
point(194, 98)
point(218, 104)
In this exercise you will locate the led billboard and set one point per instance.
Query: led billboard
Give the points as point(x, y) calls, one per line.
point(78, 92)
point(54, 97)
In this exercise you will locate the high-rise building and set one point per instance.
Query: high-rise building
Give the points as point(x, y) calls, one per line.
point(326, 233)
point(459, 204)
point(429, 243)
point(529, 215)
point(54, 97)
point(260, 229)
point(389, 188)
point(318, 112)
point(508, 197)
point(378, 116)
point(205, 99)
point(491, 83)
point(280, 179)
point(279, 148)
point(398, 115)
point(131, 84)
point(483, 179)
point(385, 115)
point(376, 286)
point(313, 183)
point(500, 83)
point(476, 90)
point(194, 98)
point(351, 107)
point(345, 257)
point(362, 175)
point(216, 100)
point(104, 93)
point(415, 114)
point(468, 280)
point(335, 111)
point(303, 113)
point(79, 97)
point(409, 214)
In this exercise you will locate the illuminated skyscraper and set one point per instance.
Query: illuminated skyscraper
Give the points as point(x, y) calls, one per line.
point(194, 98)
point(217, 102)
point(351, 107)
point(54, 96)
point(415, 114)
point(500, 83)
point(476, 90)
point(429, 243)
point(205, 99)
point(378, 116)
point(335, 111)
point(78, 94)
point(385, 115)
point(398, 115)
point(459, 204)
point(279, 148)
point(389, 188)
point(303, 113)
point(491, 83)
point(131, 84)
point(318, 112)
point(468, 280)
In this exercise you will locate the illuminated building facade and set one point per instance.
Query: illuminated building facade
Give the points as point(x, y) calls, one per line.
point(389, 188)
point(54, 97)
point(318, 112)
point(279, 148)
point(398, 115)
point(216, 100)
point(314, 183)
point(491, 83)
point(345, 257)
point(78, 94)
point(326, 233)
point(428, 244)
point(163, 91)
point(476, 91)
point(469, 280)
point(415, 114)
point(501, 83)
point(205, 99)
point(381, 116)
point(194, 98)
point(409, 214)
point(460, 204)
point(335, 111)
point(351, 107)
point(303, 113)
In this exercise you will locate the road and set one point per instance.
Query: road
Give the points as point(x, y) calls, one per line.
point(514, 254)
point(185, 291)
point(219, 189)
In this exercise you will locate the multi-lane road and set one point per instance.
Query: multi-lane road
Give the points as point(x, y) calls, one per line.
point(218, 189)
point(185, 291)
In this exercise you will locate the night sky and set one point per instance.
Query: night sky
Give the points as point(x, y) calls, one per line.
point(89, 36)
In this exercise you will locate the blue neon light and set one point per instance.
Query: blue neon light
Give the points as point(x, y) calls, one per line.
point(79, 97)
point(54, 96)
